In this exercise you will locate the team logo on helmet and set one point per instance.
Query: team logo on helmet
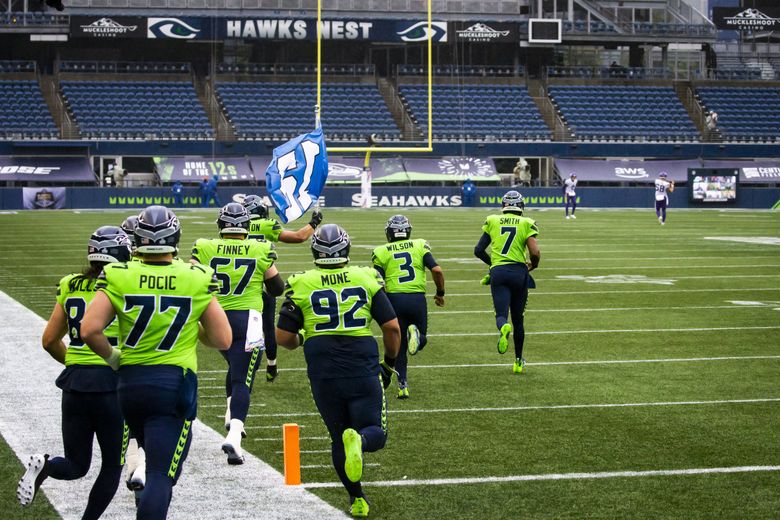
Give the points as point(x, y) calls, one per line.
point(512, 201)
point(398, 228)
point(330, 245)
point(233, 219)
point(158, 231)
point(108, 244)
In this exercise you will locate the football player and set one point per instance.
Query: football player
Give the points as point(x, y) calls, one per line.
point(242, 266)
point(163, 307)
point(570, 195)
point(89, 400)
point(263, 227)
point(662, 188)
point(513, 254)
point(402, 263)
point(333, 304)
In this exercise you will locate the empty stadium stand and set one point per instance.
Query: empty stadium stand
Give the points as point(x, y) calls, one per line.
point(128, 67)
point(139, 109)
point(279, 110)
point(342, 69)
point(623, 112)
point(476, 111)
point(744, 113)
point(16, 66)
point(25, 113)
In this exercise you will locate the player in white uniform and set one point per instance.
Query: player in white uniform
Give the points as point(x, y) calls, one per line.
point(662, 187)
point(570, 194)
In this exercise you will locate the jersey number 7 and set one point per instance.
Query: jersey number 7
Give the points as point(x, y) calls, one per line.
point(148, 308)
point(512, 233)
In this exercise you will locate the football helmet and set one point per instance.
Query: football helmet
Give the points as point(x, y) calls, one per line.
point(663, 175)
point(398, 228)
point(330, 245)
point(512, 202)
point(233, 219)
point(129, 225)
point(254, 205)
point(109, 244)
point(158, 231)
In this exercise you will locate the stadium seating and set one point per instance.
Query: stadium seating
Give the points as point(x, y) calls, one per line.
point(17, 66)
point(295, 68)
point(623, 112)
point(128, 67)
point(462, 70)
point(25, 113)
point(476, 111)
point(117, 110)
point(744, 113)
point(268, 110)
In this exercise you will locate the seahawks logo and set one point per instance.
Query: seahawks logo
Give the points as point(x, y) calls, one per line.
point(419, 32)
point(174, 28)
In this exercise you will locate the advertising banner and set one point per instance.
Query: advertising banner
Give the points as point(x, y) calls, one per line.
point(751, 172)
point(46, 169)
point(484, 32)
point(43, 198)
point(590, 170)
point(750, 19)
point(179, 28)
point(194, 168)
point(105, 27)
point(479, 169)
point(342, 29)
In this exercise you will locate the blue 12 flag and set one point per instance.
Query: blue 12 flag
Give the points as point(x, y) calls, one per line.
point(297, 174)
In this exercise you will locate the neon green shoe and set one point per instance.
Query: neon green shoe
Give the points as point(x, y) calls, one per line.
point(412, 340)
point(485, 280)
point(517, 368)
point(503, 339)
point(359, 508)
point(353, 448)
point(403, 391)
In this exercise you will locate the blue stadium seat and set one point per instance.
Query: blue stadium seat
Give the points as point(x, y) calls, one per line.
point(25, 113)
point(744, 112)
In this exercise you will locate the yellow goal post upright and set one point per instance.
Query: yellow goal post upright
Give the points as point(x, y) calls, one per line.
point(371, 148)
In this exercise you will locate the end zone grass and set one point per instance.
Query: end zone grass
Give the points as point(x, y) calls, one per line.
point(640, 314)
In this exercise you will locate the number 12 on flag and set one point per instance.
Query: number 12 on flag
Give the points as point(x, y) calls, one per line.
point(297, 174)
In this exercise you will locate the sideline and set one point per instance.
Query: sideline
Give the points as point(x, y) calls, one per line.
point(209, 489)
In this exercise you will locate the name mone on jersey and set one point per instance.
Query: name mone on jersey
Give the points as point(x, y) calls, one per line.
point(334, 278)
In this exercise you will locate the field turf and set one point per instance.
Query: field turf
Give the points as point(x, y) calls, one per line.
point(648, 348)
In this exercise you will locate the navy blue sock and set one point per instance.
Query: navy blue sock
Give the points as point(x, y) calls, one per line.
point(501, 321)
point(239, 401)
point(374, 438)
point(337, 455)
point(156, 497)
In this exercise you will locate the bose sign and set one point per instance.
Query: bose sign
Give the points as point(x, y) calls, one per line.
point(29, 170)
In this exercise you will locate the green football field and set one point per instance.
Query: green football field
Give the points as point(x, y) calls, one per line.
point(652, 388)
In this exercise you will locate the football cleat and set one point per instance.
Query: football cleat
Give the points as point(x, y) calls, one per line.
point(485, 279)
point(36, 473)
point(359, 508)
point(573, 216)
point(412, 340)
point(353, 449)
point(503, 339)
point(567, 217)
point(137, 480)
point(517, 368)
point(232, 444)
point(270, 373)
point(403, 391)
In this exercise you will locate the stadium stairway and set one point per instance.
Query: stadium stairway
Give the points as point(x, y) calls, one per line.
point(539, 95)
point(409, 130)
point(223, 130)
point(68, 128)
point(684, 90)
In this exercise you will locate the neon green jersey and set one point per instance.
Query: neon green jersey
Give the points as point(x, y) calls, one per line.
point(335, 301)
point(508, 236)
point(74, 292)
point(402, 264)
point(158, 307)
point(239, 265)
point(265, 229)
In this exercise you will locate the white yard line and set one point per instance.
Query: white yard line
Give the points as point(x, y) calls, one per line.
point(608, 331)
point(30, 422)
point(546, 407)
point(553, 476)
point(533, 293)
point(433, 312)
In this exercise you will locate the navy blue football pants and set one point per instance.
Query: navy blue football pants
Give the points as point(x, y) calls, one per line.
point(509, 287)
point(86, 415)
point(355, 402)
point(155, 402)
point(410, 309)
point(269, 327)
point(242, 366)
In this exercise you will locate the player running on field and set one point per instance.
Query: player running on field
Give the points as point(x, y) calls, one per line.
point(242, 266)
point(570, 195)
point(513, 254)
point(402, 263)
point(263, 227)
point(662, 188)
point(163, 307)
point(334, 304)
point(89, 402)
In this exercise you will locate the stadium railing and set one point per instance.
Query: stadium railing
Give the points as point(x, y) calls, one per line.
point(335, 69)
point(609, 72)
point(17, 66)
point(32, 18)
point(461, 70)
point(128, 67)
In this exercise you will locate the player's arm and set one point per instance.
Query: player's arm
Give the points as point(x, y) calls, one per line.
point(383, 313)
point(99, 314)
point(303, 234)
point(290, 322)
point(214, 328)
point(378, 267)
point(534, 253)
point(55, 330)
point(671, 186)
point(438, 277)
point(274, 284)
point(480, 250)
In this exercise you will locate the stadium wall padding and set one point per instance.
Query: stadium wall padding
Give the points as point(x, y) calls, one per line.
point(401, 196)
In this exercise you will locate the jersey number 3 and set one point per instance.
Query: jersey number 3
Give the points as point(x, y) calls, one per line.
point(406, 265)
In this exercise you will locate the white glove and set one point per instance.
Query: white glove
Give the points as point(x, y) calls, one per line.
point(113, 359)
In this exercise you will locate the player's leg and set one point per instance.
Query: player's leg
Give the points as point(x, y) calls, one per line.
point(658, 210)
point(402, 361)
point(243, 366)
point(269, 332)
point(573, 200)
point(500, 283)
point(566, 204)
point(664, 204)
point(109, 430)
point(517, 308)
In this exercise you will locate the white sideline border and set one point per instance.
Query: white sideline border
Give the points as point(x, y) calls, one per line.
point(30, 419)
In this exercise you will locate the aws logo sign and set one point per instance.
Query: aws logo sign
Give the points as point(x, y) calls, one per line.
point(631, 173)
